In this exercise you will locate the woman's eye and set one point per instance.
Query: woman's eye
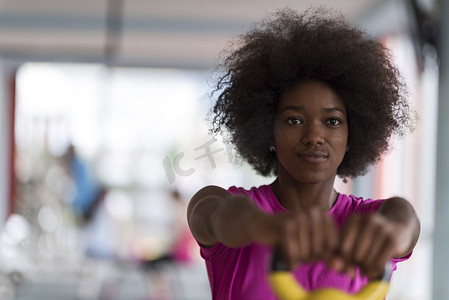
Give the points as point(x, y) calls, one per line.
point(333, 122)
point(294, 121)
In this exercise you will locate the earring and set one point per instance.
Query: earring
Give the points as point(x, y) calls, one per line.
point(347, 149)
point(272, 149)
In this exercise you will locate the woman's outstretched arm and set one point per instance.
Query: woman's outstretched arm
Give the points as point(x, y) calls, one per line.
point(214, 215)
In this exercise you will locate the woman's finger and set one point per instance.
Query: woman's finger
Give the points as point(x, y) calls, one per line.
point(331, 237)
point(317, 230)
point(290, 242)
point(305, 236)
point(348, 239)
point(379, 255)
point(367, 239)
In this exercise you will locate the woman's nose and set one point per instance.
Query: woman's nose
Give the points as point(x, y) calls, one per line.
point(313, 134)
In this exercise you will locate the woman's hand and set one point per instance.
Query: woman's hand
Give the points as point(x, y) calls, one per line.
point(365, 241)
point(368, 242)
point(308, 235)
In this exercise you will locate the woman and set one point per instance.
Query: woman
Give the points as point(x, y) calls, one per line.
point(305, 97)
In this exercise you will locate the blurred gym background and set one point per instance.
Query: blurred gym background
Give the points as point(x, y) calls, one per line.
point(104, 139)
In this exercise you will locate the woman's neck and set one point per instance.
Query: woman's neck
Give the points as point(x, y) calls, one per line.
point(300, 196)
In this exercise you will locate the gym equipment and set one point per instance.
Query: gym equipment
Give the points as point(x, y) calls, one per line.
point(286, 287)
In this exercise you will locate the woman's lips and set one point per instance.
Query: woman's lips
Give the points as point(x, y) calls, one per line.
point(315, 157)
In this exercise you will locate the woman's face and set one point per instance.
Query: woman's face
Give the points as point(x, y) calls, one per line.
point(310, 133)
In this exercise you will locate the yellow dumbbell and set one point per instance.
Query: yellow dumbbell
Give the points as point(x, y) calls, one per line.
point(286, 287)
